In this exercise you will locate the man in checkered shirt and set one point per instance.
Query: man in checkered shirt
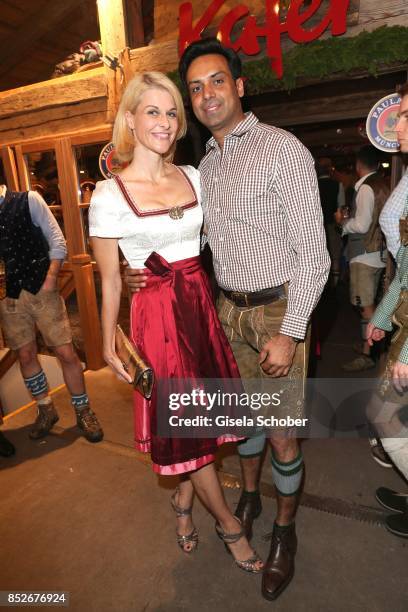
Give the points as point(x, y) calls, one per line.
point(264, 226)
point(265, 229)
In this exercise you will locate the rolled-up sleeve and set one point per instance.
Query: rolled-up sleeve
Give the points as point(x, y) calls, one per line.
point(298, 191)
point(43, 218)
point(382, 318)
point(361, 222)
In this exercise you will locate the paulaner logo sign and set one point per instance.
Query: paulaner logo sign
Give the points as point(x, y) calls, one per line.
point(295, 24)
point(381, 122)
point(109, 164)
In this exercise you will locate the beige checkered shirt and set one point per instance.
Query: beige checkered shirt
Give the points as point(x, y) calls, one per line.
point(264, 219)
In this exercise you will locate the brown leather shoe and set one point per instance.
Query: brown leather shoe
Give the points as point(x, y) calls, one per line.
point(248, 509)
point(280, 565)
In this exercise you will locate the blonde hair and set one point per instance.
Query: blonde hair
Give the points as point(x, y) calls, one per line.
point(122, 135)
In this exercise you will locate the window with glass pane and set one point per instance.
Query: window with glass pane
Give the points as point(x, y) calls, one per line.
point(87, 161)
point(43, 173)
point(43, 177)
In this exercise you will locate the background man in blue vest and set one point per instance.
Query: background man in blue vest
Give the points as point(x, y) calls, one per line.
point(33, 249)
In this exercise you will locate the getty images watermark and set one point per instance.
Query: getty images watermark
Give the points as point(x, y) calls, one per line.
point(221, 402)
point(315, 408)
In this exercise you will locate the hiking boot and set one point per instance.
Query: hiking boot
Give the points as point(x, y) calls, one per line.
point(379, 455)
point(359, 364)
point(47, 416)
point(89, 424)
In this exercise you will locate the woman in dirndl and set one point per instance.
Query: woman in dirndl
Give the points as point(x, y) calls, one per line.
point(152, 211)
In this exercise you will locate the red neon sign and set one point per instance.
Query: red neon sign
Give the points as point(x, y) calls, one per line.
point(247, 42)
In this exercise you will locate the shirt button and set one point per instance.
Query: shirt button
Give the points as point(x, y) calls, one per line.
point(221, 238)
point(215, 179)
point(217, 210)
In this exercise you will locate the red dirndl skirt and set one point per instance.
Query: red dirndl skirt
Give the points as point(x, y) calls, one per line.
point(175, 324)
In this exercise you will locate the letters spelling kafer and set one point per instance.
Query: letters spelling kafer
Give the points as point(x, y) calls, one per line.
point(272, 29)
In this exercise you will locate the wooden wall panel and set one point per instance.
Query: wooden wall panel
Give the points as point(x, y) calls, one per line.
point(348, 106)
point(373, 10)
point(53, 120)
point(374, 14)
point(161, 56)
point(74, 88)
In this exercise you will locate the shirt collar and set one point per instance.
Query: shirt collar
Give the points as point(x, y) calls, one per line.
point(361, 181)
point(240, 129)
point(3, 191)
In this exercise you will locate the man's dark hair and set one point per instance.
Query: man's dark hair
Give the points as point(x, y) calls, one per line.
point(209, 46)
point(403, 90)
point(368, 156)
point(323, 166)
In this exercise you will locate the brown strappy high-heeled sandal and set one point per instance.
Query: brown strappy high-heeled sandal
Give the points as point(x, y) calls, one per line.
point(191, 538)
point(248, 565)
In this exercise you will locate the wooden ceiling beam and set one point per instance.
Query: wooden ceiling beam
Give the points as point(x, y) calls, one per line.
point(111, 17)
point(320, 110)
point(15, 46)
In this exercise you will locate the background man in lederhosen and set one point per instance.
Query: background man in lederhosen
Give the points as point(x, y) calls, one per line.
point(33, 249)
point(365, 245)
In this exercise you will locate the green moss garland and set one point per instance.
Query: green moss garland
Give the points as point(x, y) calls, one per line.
point(367, 51)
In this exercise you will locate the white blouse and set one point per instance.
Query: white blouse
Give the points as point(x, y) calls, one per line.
point(110, 216)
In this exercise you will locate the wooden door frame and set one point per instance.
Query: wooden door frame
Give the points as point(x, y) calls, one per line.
point(10, 168)
point(79, 261)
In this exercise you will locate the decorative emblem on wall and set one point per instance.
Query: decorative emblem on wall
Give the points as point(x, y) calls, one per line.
point(109, 164)
point(381, 122)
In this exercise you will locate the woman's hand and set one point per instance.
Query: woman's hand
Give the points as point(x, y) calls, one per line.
point(116, 365)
